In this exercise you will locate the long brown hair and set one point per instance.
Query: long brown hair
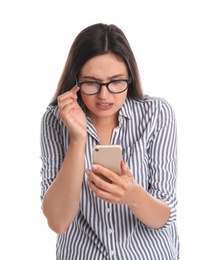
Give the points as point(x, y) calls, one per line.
point(95, 40)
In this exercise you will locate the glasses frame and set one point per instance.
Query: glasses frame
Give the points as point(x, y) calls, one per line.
point(128, 81)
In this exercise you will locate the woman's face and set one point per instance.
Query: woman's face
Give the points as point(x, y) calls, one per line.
point(104, 68)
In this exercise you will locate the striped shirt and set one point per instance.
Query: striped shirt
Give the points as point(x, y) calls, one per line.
point(101, 230)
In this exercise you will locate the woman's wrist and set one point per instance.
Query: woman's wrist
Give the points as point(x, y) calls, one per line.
point(136, 197)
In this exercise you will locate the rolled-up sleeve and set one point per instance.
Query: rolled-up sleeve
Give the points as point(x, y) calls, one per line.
point(163, 160)
point(52, 148)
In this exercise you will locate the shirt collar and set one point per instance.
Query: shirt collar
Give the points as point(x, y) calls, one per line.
point(126, 109)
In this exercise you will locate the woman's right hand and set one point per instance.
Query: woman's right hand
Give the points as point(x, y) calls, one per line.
point(71, 113)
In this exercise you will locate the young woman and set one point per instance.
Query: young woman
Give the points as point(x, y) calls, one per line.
point(99, 100)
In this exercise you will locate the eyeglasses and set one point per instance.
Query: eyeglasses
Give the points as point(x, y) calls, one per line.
point(113, 86)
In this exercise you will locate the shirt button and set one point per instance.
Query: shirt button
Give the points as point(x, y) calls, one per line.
point(110, 231)
point(108, 210)
point(112, 252)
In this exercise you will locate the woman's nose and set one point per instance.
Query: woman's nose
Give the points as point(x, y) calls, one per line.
point(104, 92)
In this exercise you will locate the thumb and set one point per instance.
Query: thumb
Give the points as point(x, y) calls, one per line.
point(124, 168)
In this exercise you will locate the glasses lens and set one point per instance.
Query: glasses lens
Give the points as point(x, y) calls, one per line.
point(90, 88)
point(117, 86)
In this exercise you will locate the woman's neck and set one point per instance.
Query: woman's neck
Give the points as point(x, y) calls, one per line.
point(104, 127)
point(102, 122)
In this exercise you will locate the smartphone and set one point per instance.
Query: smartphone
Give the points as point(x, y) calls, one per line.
point(109, 156)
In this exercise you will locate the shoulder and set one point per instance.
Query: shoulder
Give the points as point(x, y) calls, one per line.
point(153, 101)
point(152, 104)
point(154, 109)
point(50, 116)
point(51, 111)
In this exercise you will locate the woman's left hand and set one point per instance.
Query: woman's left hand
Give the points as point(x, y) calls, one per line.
point(119, 190)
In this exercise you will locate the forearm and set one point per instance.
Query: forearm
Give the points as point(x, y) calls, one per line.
point(149, 210)
point(61, 201)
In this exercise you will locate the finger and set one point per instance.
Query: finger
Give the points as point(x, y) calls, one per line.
point(67, 109)
point(67, 102)
point(94, 177)
point(98, 179)
point(75, 89)
point(93, 186)
point(68, 98)
point(106, 173)
point(108, 195)
point(124, 167)
point(110, 192)
point(100, 193)
point(69, 94)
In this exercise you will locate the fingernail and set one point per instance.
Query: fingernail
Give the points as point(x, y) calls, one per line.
point(87, 171)
point(125, 165)
point(93, 167)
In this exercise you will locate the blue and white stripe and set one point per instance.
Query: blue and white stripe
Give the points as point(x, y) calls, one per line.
point(148, 136)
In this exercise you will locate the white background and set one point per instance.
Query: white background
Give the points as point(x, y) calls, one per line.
point(173, 45)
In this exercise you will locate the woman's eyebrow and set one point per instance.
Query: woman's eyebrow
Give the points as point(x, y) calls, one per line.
point(116, 76)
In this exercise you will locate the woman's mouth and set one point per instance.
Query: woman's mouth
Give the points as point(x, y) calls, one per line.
point(104, 105)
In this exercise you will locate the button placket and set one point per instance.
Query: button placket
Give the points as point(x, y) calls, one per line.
point(117, 132)
point(115, 135)
point(112, 254)
point(110, 232)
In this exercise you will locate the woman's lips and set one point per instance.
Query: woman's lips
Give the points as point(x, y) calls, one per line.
point(104, 105)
